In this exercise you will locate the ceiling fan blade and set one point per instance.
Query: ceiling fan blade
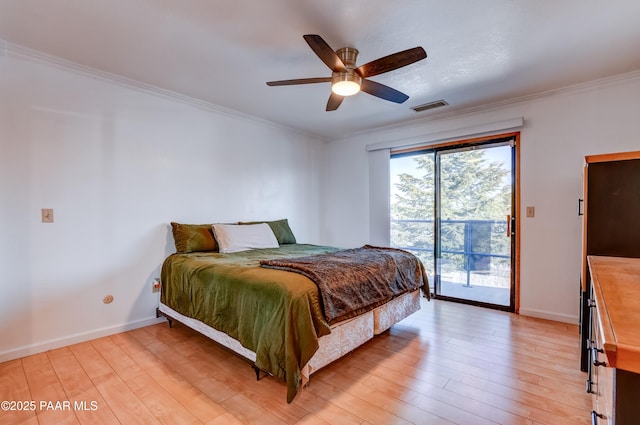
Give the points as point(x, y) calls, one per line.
point(299, 81)
point(383, 92)
point(325, 52)
point(391, 62)
point(334, 101)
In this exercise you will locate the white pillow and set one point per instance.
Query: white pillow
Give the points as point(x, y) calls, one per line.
point(243, 237)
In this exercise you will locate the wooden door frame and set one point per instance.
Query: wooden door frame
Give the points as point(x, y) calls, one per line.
point(516, 194)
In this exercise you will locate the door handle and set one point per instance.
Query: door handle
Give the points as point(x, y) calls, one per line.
point(580, 202)
point(508, 225)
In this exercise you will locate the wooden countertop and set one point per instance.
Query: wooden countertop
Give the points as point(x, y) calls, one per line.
point(616, 284)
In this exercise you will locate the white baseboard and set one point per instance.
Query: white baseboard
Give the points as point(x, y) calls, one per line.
point(51, 344)
point(549, 315)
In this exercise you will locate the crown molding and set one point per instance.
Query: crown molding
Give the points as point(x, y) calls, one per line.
point(494, 106)
point(16, 51)
point(12, 50)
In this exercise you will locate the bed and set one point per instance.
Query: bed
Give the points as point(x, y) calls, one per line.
point(253, 303)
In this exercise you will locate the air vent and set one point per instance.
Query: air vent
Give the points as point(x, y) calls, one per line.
point(430, 105)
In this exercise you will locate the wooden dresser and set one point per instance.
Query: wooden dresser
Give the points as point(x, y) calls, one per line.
point(614, 340)
point(611, 224)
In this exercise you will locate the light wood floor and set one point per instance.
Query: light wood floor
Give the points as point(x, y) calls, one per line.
point(448, 363)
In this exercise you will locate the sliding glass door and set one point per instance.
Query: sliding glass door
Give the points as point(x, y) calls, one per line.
point(454, 208)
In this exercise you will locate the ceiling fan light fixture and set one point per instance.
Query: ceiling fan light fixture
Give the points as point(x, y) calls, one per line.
point(347, 79)
point(345, 83)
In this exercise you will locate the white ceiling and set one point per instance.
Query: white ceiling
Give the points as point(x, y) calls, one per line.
point(223, 52)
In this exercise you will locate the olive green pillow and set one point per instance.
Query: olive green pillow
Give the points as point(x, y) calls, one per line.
point(280, 228)
point(193, 237)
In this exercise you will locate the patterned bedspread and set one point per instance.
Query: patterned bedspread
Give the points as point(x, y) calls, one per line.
point(354, 281)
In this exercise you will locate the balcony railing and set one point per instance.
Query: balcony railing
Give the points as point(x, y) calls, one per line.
point(470, 245)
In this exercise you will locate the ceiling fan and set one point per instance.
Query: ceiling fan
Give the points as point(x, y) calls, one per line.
point(347, 80)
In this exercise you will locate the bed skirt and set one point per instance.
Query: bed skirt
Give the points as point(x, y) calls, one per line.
point(345, 336)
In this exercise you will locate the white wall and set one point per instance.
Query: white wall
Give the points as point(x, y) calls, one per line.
point(560, 129)
point(117, 164)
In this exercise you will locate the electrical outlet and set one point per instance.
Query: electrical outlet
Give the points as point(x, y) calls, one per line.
point(47, 215)
point(531, 211)
point(155, 285)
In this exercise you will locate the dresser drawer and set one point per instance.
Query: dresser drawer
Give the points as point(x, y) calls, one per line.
point(614, 340)
point(600, 381)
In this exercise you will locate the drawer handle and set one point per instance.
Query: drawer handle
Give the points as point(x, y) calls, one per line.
point(595, 416)
point(590, 387)
point(594, 356)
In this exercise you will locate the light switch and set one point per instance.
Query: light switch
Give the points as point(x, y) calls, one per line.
point(47, 215)
point(531, 211)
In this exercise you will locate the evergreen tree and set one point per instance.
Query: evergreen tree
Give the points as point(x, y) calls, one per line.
point(472, 188)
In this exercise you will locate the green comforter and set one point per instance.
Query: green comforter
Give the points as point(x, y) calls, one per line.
point(274, 313)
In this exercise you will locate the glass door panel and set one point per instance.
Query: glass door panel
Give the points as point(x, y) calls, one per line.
point(474, 210)
point(452, 207)
point(412, 207)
